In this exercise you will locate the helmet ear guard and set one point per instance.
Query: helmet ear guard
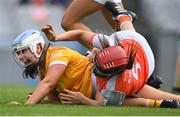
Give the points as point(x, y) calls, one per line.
point(110, 61)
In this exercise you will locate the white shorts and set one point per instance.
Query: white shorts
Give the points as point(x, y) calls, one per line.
point(104, 1)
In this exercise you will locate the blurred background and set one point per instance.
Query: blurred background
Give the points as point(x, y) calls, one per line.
point(158, 21)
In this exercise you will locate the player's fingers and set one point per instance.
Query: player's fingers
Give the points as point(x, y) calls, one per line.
point(65, 99)
point(67, 96)
point(50, 26)
point(50, 31)
point(44, 29)
point(68, 91)
point(47, 27)
point(66, 102)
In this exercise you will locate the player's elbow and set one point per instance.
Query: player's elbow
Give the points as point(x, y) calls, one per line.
point(48, 84)
point(65, 25)
point(80, 33)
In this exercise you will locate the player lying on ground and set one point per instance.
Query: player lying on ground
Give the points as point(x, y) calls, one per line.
point(132, 77)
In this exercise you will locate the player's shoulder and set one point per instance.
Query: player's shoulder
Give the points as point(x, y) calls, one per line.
point(57, 49)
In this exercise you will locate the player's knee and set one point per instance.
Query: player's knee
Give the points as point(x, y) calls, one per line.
point(64, 24)
point(69, 23)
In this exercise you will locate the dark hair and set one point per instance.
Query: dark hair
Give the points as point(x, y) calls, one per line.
point(30, 71)
point(133, 51)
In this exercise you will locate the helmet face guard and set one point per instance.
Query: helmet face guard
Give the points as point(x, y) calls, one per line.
point(109, 61)
point(27, 40)
point(21, 62)
point(98, 71)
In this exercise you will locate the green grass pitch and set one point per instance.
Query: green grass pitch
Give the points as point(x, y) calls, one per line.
point(18, 93)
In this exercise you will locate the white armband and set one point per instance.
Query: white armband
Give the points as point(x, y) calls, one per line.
point(104, 1)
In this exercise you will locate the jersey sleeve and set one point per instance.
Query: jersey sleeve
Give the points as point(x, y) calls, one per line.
point(59, 57)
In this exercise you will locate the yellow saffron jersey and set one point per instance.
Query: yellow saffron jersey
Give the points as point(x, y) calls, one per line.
point(77, 75)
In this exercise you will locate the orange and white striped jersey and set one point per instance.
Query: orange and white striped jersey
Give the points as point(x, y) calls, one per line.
point(131, 80)
point(77, 75)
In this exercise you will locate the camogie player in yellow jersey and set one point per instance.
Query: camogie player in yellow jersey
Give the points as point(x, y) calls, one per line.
point(58, 67)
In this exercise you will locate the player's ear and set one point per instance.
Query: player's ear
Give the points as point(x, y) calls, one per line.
point(39, 48)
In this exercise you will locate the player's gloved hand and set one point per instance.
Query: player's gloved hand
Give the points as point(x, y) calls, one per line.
point(113, 98)
point(155, 81)
point(49, 32)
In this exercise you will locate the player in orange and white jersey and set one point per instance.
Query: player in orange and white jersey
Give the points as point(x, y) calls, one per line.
point(136, 75)
point(132, 80)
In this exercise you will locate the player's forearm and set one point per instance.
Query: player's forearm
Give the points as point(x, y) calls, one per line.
point(41, 91)
point(99, 100)
point(73, 35)
point(92, 102)
point(76, 35)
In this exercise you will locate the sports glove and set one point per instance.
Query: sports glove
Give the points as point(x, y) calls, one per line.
point(113, 98)
point(155, 81)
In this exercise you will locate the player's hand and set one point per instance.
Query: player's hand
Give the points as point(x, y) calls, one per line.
point(29, 95)
point(49, 32)
point(71, 97)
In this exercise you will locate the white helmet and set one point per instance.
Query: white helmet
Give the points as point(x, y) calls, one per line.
point(27, 39)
